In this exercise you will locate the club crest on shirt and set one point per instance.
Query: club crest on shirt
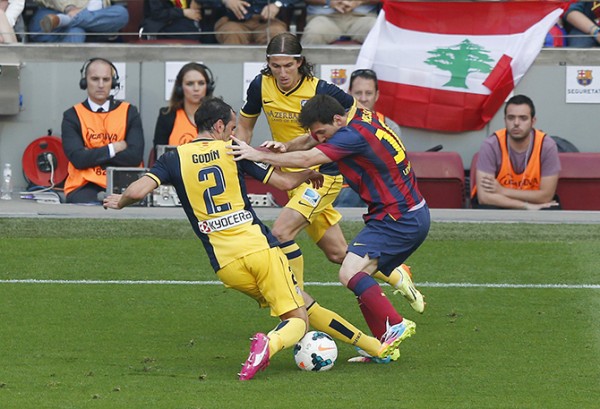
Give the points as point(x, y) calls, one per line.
point(311, 196)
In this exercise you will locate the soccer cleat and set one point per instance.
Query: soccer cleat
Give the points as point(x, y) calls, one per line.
point(366, 358)
point(258, 359)
point(394, 335)
point(406, 287)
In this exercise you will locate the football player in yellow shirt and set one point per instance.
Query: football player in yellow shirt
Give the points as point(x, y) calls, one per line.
point(280, 90)
point(242, 251)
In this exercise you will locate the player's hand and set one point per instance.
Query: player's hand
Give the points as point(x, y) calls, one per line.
point(243, 151)
point(317, 179)
point(239, 8)
point(111, 201)
point(274, 146)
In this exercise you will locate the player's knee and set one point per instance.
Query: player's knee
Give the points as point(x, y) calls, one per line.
point(308, 300)
point(336, 256)
point(297, 313)
point(282, 233)
point(345, 276)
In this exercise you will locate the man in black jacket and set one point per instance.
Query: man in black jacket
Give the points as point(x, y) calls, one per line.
point(99, 132)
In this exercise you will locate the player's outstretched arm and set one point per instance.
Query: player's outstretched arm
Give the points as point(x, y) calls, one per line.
point(290, 180)
point(300, 159)
point(274, 146)
point(301, 143)
point(111, 201)
point(133, 194)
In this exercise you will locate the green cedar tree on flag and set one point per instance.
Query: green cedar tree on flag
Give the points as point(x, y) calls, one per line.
point(449, 66)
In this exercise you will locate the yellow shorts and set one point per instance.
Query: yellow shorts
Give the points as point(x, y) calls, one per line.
point(265, 276)
point(316, 205)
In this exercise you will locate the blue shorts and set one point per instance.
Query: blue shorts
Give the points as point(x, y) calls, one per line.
point(391, 241)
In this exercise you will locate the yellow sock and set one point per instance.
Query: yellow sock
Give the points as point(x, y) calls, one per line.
point(286, 334)
point(333, 324)
point(295, 259)
point(394, 279)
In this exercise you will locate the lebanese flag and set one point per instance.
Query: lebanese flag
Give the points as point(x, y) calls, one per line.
point(449, 66)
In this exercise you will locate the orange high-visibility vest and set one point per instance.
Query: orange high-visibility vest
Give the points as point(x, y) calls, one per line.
point(531, 177)
point(99, 129)
point(183, 129)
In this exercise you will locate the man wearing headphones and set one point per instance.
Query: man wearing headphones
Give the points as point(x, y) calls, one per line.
point(99, 132)
point(175, 123)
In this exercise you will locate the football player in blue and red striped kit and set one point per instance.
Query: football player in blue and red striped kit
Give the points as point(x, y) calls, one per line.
point(373, 160)
point(243, 252)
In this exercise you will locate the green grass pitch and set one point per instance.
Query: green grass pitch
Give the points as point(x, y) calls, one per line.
point(499, 331)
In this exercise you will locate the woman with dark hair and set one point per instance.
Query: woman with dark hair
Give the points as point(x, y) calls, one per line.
point(175, 124)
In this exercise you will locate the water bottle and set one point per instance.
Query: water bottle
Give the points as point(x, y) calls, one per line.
point(6, 190)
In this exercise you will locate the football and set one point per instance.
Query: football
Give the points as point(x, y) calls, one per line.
point(316, 352)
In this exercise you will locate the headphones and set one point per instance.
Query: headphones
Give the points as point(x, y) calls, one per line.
point(210, 80)
point(114, 84)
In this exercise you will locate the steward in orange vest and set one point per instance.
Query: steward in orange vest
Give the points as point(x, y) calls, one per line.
point(507, 177)
point(86, 138)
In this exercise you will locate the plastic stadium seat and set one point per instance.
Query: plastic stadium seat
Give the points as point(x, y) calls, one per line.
point(440, 177)
point(579, 181)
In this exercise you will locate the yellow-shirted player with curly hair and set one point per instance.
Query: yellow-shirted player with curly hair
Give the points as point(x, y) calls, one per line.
point(242, 250)
point(280, 90)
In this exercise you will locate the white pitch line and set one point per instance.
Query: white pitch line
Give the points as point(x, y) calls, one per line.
point(316, 284)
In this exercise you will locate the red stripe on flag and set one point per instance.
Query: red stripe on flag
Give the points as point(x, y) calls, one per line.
point(501, 83)
point(440, 110)
point(469, 18)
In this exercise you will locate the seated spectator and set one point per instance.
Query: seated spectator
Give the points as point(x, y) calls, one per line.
point(170, 18)
point(175, 124)
point(68, 21)
point(250, 22)
point(556, 37)
point(10, 10)
point(518, 166)
point(581, 24)
point(364, 87)
point(99, 132)
point(328, 20)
